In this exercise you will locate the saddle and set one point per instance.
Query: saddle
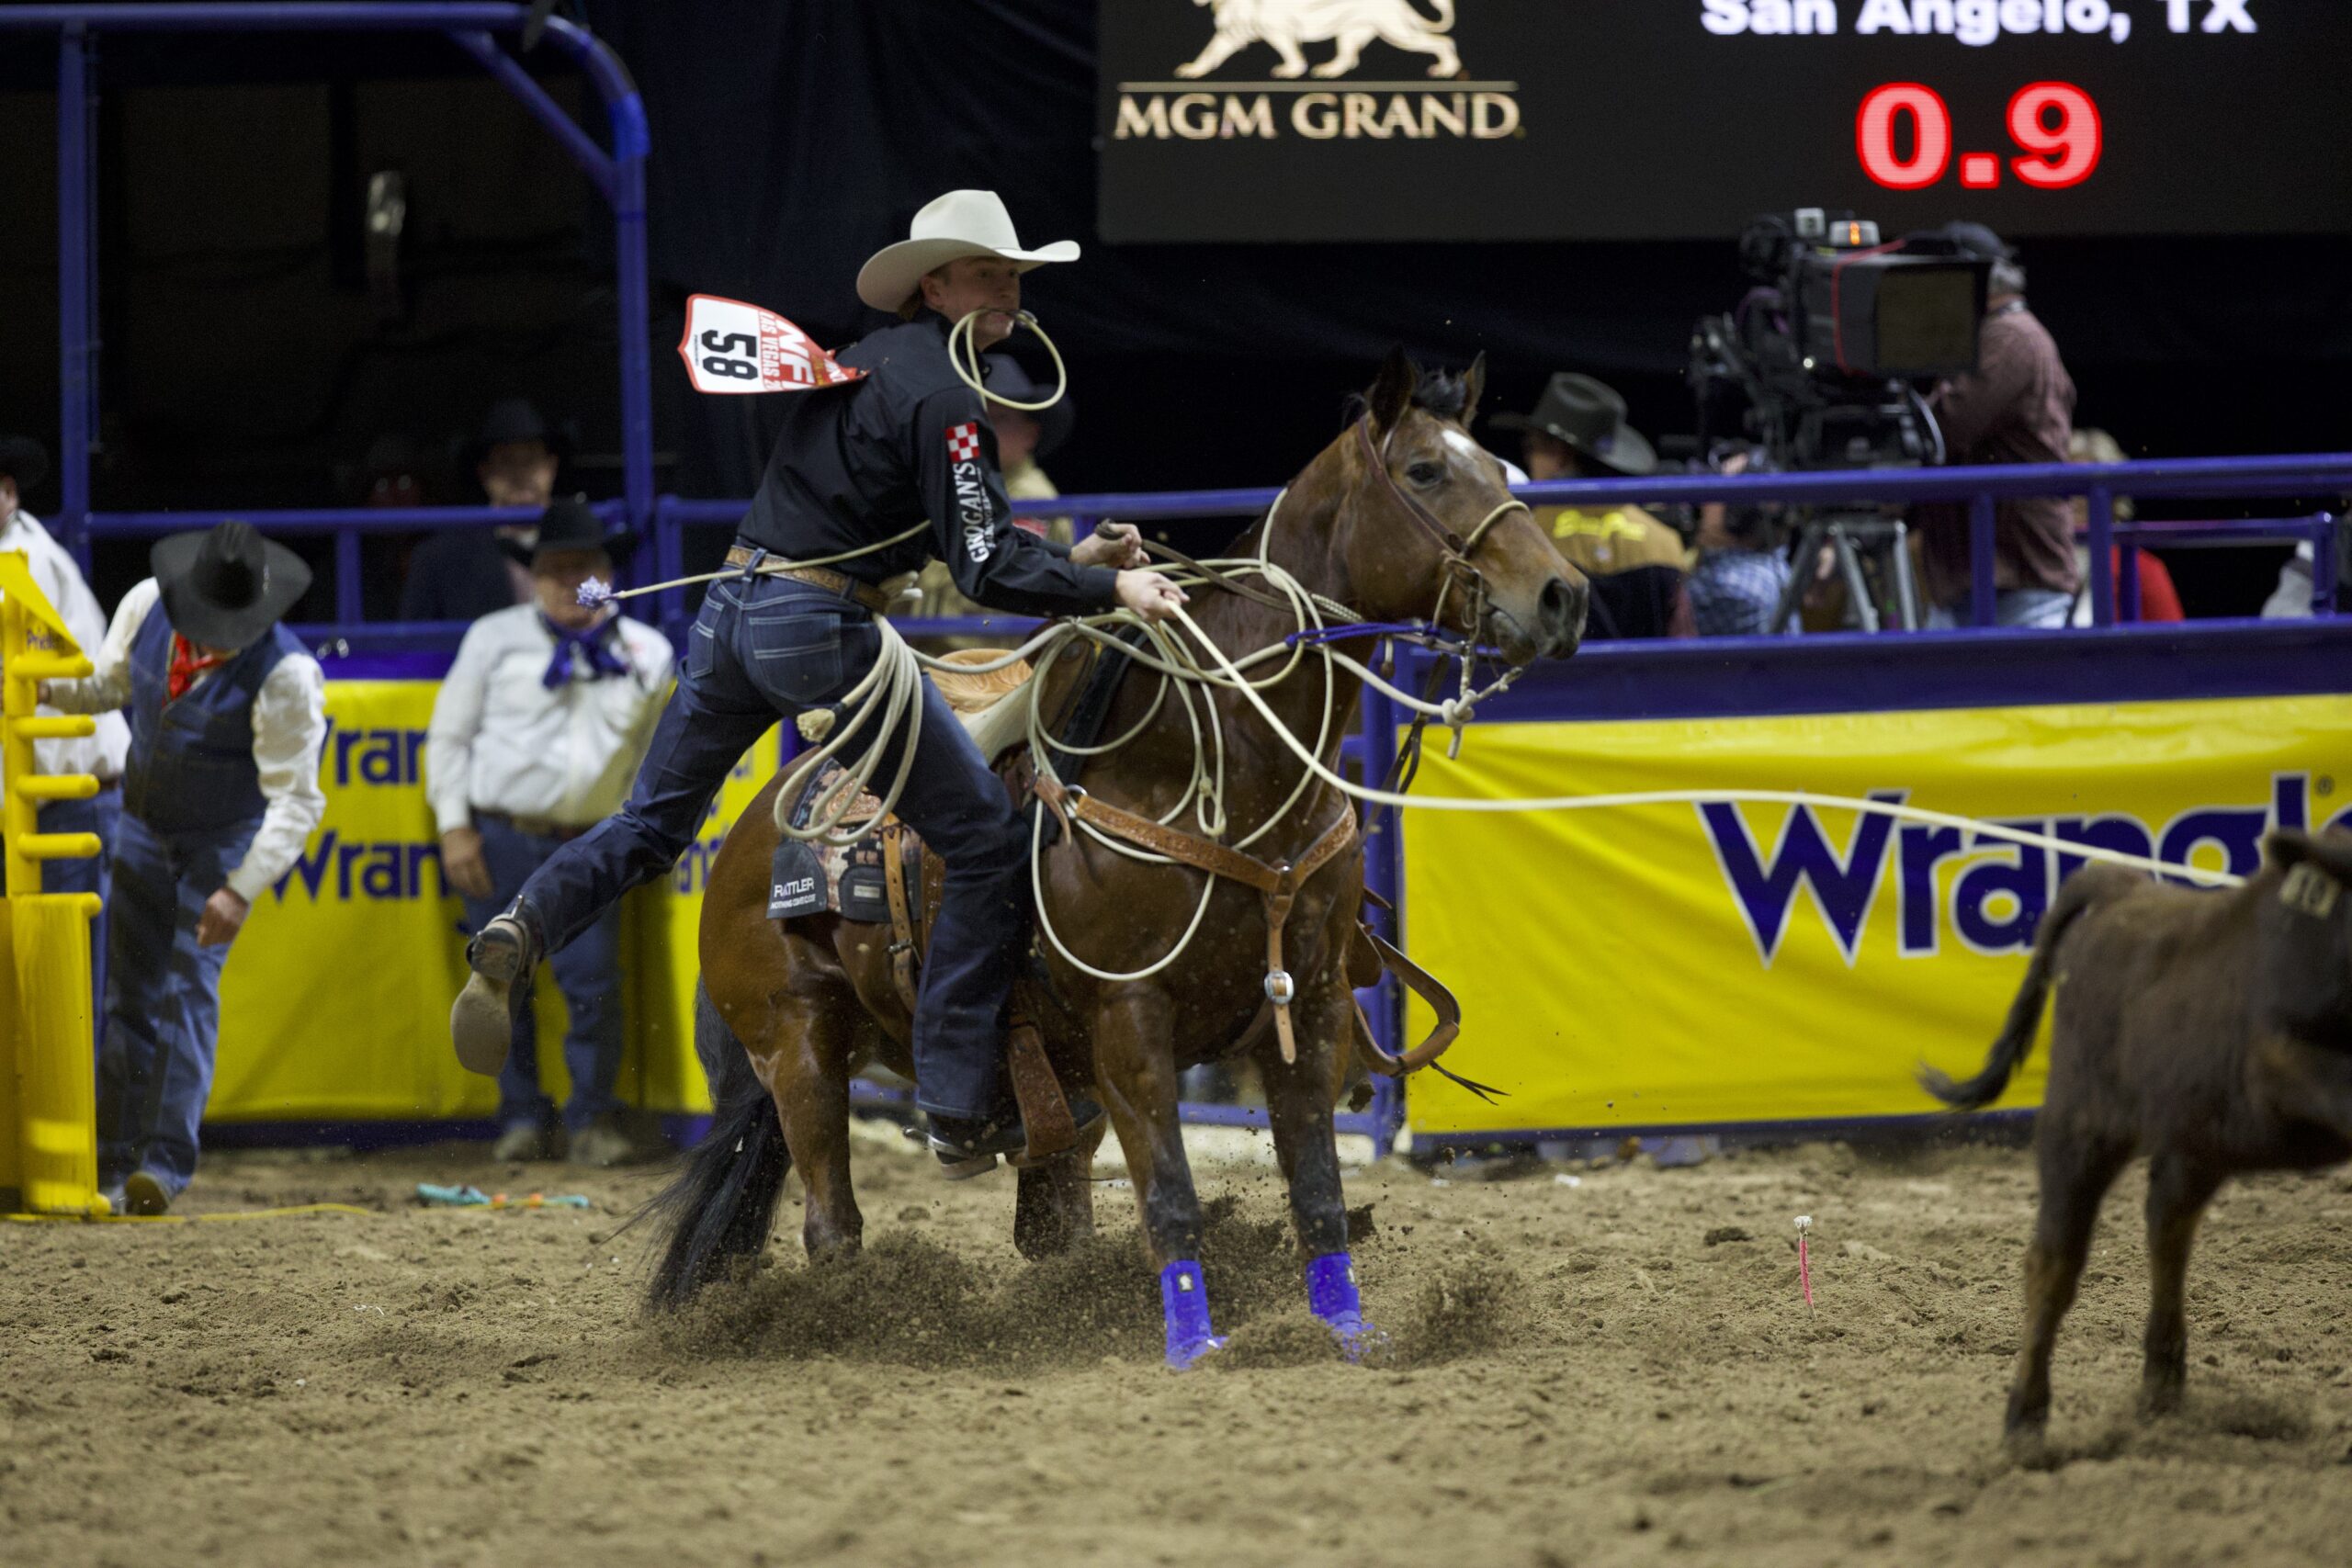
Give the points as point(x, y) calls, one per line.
point(893, 877)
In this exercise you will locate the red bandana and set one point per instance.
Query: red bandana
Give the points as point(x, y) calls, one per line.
point(186, 665)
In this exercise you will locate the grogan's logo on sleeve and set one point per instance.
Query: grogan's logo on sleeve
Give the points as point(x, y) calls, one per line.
point(1449, 106)
point(976, 514)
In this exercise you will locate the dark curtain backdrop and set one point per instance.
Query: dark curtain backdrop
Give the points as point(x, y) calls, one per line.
point(792, 138)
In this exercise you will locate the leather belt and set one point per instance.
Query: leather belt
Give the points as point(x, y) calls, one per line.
point(839, 582)
point(536, 827)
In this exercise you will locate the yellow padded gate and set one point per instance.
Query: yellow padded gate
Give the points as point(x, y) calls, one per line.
point(49, 1156)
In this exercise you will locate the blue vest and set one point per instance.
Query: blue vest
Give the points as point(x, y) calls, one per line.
point(191, 764)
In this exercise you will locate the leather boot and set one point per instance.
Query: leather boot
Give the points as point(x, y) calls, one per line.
point(481, 1021)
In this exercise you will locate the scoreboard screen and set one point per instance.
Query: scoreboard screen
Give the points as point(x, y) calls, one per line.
point(1623, 119)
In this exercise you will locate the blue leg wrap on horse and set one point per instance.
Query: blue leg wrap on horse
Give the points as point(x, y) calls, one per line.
point(1331, 1296)
point(1184, 1301)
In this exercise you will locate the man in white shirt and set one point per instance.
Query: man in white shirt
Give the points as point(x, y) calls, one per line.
point(220, 790)
point(536, 732)
point(23, 463)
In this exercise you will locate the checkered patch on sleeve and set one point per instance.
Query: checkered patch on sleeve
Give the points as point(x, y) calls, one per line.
point(964, 441)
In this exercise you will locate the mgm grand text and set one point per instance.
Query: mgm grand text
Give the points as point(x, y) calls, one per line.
point(1483, 116)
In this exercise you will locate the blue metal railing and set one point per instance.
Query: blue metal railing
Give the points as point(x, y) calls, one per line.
point(618, 176)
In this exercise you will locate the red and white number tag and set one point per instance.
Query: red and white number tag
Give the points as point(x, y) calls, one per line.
point(733, 348)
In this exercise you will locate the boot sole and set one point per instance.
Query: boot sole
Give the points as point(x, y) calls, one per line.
point(142, 1194)
point(481, 1021)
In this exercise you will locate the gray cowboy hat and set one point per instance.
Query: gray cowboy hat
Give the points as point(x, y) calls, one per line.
point(225, 587)
point(1006, 377)
point(1590, 417)
point(570, 523)
point(23, 460)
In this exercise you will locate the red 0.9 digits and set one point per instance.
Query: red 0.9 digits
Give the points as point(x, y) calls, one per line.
point(2055, 123)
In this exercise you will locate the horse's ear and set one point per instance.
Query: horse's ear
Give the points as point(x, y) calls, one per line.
point(1392, 389)
point(1474, 382)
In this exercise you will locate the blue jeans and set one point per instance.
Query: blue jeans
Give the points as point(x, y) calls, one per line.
point(163, 999)
point(587, 971)
point(768, 647)
point(98, 815)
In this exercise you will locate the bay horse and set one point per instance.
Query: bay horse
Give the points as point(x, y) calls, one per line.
point(1386, 521)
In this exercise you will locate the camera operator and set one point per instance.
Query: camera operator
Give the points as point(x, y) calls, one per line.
point(2017, 406)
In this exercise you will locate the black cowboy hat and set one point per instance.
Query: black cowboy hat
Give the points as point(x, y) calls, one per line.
point(225, 587)
point(570, 523)
point(1006, 377)
point(517, 419)
point(23, 460)
point(1590, 417)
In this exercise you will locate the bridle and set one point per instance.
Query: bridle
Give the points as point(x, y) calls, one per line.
point(1454, 550)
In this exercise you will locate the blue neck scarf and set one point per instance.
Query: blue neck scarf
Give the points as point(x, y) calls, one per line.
point(595, 643)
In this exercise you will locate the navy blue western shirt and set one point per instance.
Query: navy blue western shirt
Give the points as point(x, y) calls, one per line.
point(858, 463)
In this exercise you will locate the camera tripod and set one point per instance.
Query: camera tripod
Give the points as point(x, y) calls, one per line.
point(1855, 535)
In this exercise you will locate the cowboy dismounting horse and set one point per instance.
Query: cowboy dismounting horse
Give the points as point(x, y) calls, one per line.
point(1403, 517)
point(883, 468)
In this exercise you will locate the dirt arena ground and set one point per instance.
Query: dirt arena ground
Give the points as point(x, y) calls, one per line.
point(1591, 1367)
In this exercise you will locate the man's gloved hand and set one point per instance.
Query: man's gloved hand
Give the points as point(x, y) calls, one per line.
point(1113, 544)
point(1149, 595)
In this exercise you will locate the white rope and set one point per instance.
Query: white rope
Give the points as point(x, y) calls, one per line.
point(1701, 796)
point(962, 343)
point(890, 697)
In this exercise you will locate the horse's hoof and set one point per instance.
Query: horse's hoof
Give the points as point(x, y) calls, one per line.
point(1184, 1357)
point(1360, 1341)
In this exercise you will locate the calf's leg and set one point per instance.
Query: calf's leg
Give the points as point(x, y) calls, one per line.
point(2178, 1194)
point(2075, 1175)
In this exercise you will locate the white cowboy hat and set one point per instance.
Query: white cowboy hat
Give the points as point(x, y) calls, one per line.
point(961, 223)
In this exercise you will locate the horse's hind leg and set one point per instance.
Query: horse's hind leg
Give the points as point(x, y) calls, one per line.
point(806, 1054)
point(1055, 1209)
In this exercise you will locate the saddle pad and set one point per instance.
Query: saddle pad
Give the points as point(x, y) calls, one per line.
point(806, 879)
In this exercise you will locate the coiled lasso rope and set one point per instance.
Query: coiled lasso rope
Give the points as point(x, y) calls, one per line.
point(963, 344)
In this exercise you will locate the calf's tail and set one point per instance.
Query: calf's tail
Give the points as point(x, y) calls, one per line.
point(2078, 893)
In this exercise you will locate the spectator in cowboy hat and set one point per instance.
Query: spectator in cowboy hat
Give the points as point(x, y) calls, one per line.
point(1022, 439)
point(461, 574)
point(219, 790)
point(536, 732)
point(1577, 431)
point(24, 463)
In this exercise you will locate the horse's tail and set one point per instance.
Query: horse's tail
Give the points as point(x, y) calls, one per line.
point(2079, 892)
point(721, 1206)
point(1444, 23)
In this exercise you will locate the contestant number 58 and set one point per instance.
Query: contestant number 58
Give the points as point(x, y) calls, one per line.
point(1904, 136)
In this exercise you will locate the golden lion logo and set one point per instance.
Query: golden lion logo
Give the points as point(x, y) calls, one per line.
point(1287, 24)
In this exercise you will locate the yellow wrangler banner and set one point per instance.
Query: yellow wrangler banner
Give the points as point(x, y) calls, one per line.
point(336, 1001)
point(1691, 964)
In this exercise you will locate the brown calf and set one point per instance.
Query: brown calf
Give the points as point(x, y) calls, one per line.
point(2211, 1031)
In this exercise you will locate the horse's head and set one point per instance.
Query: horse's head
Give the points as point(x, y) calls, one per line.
point(1427, 528)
